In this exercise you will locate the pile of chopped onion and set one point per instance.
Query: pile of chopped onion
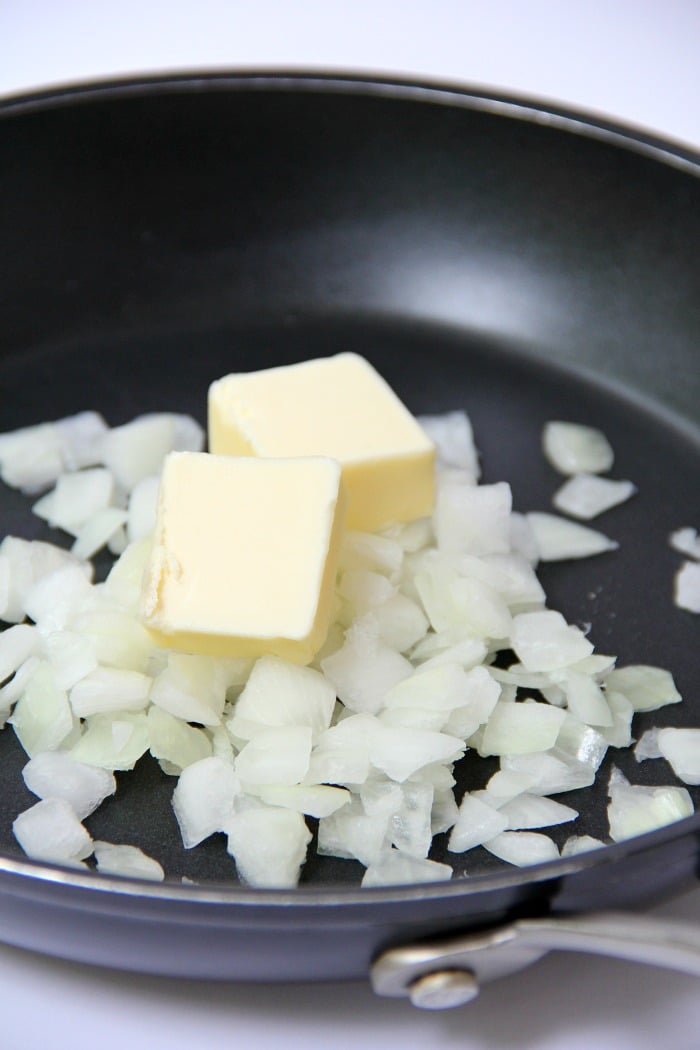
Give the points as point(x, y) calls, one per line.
point(442, 643)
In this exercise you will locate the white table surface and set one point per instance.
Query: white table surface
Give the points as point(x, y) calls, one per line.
point(632, 60)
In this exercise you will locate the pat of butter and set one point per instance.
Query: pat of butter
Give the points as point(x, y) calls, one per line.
point(338, 407)
point(244, 555)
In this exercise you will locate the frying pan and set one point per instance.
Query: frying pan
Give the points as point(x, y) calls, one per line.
point(487, 254)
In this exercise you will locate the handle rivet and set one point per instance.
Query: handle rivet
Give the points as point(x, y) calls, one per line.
point(443, 989)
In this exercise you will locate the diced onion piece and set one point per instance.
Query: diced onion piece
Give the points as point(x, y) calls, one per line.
point(523, 728)
point(137, 449)
point(97, 531)
point(353, 834)
point(525, 812)
point(648, 746)
point(30, 458)
point(453, 437)
point(585, 496)
point(117, 638)
point(71, 656)
point(203, 799)
point(572, 448)
point(523, 848)
point(143, 503)
point(110, 689)
point(76, 498)
point(278, 755)
point(191, 688)
point(24, 563)
point(543, 641)
point(686, 594)
point(473, 519)
point(635, 809)
point(279, 693)
point(365, 669)
point(16, 645)
point(315, 800)
point(400, 752)
point(366, 550)
point(55, 774)
point(619, 734)
point(114, 741)
point(269, 846)
point(53, 600)
point(559, 539)
point(586, 700)
point(401, 622)
point(549, 774)
point(647, 688)
point(176, 742)
point(410, 827)
point(522, 538)
point(50, 830)
point(686, 541)
point(123, 584)
point(681, 748)
point(128, 861)
point(80, 438)
point(395, 869)
point(476, 823)
point(42, 719)
point(580, 844)
point(581, 743)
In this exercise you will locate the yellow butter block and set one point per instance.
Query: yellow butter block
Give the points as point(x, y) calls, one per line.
point(339, 407)
point(244, 555)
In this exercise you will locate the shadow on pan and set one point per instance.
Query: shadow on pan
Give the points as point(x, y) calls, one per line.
point(485, 255)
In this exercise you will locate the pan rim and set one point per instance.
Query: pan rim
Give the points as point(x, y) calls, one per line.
point(426, 90)
point(432, 90)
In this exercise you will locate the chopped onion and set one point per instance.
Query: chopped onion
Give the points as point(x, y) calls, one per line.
point(452, 434)
point(42, 719)
point(681, 748)
point(686, 592)
point(543, 641)
point(586, 496)
point(129, 861)
point(269, 846)
point(525, 812)
point(572, 448)
point(648, 746)
point(518, 729)
point(634, 809)
point(174, 742)
point(686, 541)
point(16, 645)
point(647, 688)
point(55, 774)
point(113, 741)
point(580, 844)
point(110, 689)
point(76, 498)
point(203, 799)
point(473, 519)
point(394, 868)
point(523, 848)
point(558, 539)
point(50, 830)
point(476, 823)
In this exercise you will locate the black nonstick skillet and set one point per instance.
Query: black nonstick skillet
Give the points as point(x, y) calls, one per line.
point(485, 254)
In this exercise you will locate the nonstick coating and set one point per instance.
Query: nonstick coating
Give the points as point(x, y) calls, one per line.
point(483, 257)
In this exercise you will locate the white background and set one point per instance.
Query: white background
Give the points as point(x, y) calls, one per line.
point(634, 60)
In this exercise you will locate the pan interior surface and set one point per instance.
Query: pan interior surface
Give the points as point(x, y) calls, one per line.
point(160, 239)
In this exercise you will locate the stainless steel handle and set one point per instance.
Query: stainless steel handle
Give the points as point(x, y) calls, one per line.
point(448, 972)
